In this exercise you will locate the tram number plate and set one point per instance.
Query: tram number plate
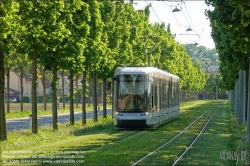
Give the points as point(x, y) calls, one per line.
point(129, 114)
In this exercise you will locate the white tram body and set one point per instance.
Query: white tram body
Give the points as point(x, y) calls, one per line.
point(145, 97)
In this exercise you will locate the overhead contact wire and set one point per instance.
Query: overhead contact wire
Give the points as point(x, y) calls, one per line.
point(153, 11)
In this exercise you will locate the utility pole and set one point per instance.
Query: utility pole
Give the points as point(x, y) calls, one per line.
point(150, 52)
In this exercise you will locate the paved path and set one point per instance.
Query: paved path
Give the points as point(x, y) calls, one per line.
point(23, 123)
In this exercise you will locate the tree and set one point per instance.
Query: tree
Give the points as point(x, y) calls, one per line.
point(203, 55)
point(84, 98)
point(9, 28)
point(23, 64)
point(230, 31)
point(43, 74)
point(7, 73)
point(65, 46)
point(80, 30)
point(46, 23)
point(10, 65)
point(107, 10)
point(95, 46)
point(77, 89)
point(34, 17)
point(62, 88)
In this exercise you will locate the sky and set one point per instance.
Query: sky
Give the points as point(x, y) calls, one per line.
point(191, 16)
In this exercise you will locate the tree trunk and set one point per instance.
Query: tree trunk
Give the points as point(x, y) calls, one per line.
point(72, 118)
point(84, 98)
point(110, 93)
point(104, 89)
point(34, 91)
point(8, 89)
point(89, 92)
point(112, 96)
point(248, 105)
point(21, 85)
point(3, 133)
point(95, 97)
point(76, 82)
point(63, 98)
point(54, 98)
point(242, 89)
point(44, 89)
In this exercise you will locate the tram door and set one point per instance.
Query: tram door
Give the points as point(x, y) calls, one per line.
point(158, 104)
point(156, 101)
point(156, 97)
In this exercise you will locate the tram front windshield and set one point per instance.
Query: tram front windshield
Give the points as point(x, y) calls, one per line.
point(132, 92)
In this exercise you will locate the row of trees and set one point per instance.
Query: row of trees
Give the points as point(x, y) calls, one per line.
point(230, 30)
point(89, 38)
point(204, 56)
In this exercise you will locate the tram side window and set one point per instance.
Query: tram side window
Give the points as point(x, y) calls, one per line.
point(155, 97)
point(162, 92)
point(178, 93)
point(170, 94)
point(164, 99)
point(167, 98)
point(174, 94)
point(150, 97)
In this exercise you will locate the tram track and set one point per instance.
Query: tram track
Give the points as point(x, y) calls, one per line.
point(129, 135)
point(200, 118)
point(194, 140)
point(132, 134)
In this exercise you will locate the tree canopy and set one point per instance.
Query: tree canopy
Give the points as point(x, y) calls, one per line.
point(96, 37)
point(230, 31)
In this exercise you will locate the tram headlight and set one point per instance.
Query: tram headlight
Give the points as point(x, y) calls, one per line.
point(119, 114)
point(144, 114)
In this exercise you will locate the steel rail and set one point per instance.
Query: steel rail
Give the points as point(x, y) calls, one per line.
point(171, 139)
point(180, 156)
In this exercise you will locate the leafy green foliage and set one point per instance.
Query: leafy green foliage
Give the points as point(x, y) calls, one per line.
point(230, 31)
point(10, 27)
point(95, 47)
point(92, 35)
point(204, 56)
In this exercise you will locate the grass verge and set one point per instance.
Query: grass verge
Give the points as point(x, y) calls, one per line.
point(23, 148)
point(239, 151)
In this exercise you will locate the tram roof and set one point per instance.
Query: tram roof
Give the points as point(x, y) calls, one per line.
point(141, 69)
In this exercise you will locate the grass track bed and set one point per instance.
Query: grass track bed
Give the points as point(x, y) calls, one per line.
point(169, 153)
point(214, 139)
point(104, 145)
point(148, 142)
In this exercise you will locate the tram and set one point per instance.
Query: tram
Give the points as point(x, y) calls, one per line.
point(145, 97)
